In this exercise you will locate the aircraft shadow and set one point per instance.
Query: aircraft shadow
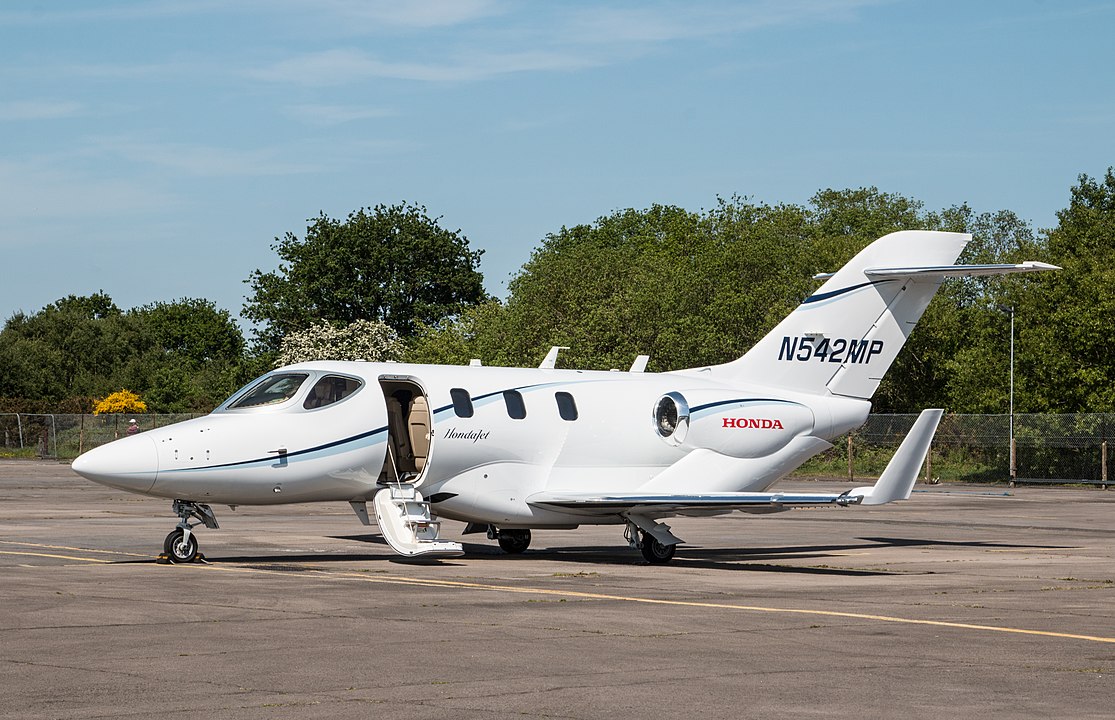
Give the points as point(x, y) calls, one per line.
point(750, 559)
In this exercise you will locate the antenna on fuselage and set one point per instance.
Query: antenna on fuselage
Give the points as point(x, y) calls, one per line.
point(640, 364)
point(550, 360)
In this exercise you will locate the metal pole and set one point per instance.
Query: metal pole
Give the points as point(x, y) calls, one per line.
point(19, 424)
point(1013, 456)
point(850, 477)
point(1103, 463)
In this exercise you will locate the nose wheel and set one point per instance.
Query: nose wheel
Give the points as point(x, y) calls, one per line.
point(180, 545)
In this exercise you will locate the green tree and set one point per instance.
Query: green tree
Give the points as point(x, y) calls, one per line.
point(693, 289)
point(687, 289)
point(184, 355)
point(1064, 319)
point(391, 263)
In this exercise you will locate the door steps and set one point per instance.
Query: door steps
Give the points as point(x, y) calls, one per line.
point(409, 525)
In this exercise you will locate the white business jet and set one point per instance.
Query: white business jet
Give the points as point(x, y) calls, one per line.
point(507, 450)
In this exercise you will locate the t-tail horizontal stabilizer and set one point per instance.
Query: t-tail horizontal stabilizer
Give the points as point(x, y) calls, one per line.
point(897, 481)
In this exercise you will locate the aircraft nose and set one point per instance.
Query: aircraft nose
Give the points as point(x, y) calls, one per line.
point(130, 463)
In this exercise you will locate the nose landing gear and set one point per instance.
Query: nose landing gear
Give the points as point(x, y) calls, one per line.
point(180, 546)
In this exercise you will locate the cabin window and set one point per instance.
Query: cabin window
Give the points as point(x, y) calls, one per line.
point(272, 390)
point(567, 408)
point(462, 402)
point(516, 408)
point(330, 389)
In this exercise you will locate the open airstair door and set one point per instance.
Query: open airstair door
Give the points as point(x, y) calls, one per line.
point(404, 517)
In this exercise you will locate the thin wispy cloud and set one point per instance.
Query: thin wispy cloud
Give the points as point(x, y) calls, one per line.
point(327, 115)
point(343, 66)
point(204, 160)
point(401, 14)
point(17, 110)
point(665, 22)
point(45, 190)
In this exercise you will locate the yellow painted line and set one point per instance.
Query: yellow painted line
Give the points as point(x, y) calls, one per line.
point(68, 547)
point(453, 584)
point(59, 557)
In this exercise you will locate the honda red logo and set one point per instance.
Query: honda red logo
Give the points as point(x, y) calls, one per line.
point(753, 423)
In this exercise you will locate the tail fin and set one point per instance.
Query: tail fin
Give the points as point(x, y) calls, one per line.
point(844, 337)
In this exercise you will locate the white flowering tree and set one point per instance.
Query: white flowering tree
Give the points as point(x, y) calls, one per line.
point(369, 340)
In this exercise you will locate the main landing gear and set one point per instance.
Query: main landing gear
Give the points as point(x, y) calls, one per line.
point(513, 542)
point(180, 545)
point(640, 533)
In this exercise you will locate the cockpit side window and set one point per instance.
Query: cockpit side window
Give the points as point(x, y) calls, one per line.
point(330, 389)
point(272, 390)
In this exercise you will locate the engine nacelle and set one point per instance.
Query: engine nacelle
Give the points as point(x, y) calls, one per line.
point(733, 426)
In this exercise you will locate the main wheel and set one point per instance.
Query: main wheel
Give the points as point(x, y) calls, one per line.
point(514, 541)
point(655, 552)
point(178, 550)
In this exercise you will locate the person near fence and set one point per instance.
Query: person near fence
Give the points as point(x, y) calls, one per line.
point(133, 427)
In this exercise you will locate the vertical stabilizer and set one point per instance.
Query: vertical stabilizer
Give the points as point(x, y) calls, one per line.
point(843, 338)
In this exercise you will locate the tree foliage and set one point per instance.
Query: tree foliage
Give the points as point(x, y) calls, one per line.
point(693, 289)
point(689, 288)
point(181, 356)
point(366, 340)
point(1065, 322)
point(393, 263)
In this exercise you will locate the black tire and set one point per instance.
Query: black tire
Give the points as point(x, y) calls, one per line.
point(178, 551)
point(655, 552)
point(514, 542)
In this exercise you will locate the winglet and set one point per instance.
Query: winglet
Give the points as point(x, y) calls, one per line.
point(897, 481)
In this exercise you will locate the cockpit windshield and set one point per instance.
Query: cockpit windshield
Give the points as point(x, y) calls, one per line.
point(272, 390)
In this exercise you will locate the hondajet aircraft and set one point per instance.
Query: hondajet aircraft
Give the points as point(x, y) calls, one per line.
point(507, 450)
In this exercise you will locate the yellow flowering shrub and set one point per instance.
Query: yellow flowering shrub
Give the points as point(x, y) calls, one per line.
point(124, 401)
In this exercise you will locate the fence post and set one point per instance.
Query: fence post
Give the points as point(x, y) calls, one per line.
point(19, 424)
point(1013, 465)
point(1103, 463)
point(81, 435)
point(850, 474)
point(929, 464)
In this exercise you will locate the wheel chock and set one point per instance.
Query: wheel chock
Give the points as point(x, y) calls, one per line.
point(164, 559)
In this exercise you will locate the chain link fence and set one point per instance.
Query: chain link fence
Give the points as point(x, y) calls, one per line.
point(64, 437)
point(1069, 448)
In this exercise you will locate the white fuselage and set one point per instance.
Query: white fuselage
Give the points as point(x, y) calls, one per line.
point(602, 434)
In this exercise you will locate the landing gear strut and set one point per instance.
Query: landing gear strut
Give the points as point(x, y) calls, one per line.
point(180, 545)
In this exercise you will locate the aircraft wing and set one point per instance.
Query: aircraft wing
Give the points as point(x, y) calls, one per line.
point(618, 503)
point(896, 483)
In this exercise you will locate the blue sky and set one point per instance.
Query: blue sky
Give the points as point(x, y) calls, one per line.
point(154, 149)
